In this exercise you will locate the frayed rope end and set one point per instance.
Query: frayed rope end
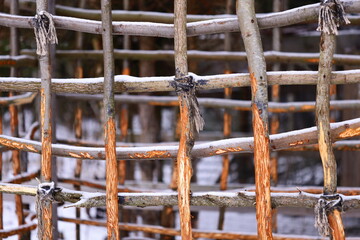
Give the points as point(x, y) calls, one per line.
point(325, 205)
point(331, 15)
point(45, 32)
point(186, 85)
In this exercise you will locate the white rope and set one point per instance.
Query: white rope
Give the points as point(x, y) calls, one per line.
point(331, 15)
point(45, 32)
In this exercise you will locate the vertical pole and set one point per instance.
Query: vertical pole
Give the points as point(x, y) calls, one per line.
point(227, 124)
point(1, 163)
point(124, 115)
point(14, 48)
point(327, 49)
point(112, 208)
point(274, 126)
point(191, 120)
point(257, 69)
point(46, 130)
point(78, 121)
point(331, 14)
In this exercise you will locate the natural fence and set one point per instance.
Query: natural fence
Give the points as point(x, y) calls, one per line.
point(266, 142)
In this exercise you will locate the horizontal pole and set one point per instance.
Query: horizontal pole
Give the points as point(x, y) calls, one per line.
point(30, 224)
point(124, 83)
point(134, 16)
point(213, 199)
point(281, 141)
point(280, 19)
point(243, 105)
point(18, 99)
point(270, 56)
point(197, 233)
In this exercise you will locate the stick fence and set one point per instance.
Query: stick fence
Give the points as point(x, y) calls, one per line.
point(266, 143)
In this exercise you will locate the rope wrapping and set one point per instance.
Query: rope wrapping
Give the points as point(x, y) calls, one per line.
point(45, 32)
point(331, 16)
point(326, 204)
point(186, 85)
point(44, 197)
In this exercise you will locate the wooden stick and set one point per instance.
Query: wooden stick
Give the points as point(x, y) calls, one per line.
point(78, 120)
point(327, 49)
point(281, 141)
point(46, 230)
point(184, 167)
point(275, 124)
point(14, 122)
point(308, 13)
point(121, 15)
point(175, 232)
point(243, 198)
point(257, 69)
point(166, 84)
point(112, 209)
point(1, 166)
point(29, 225)
point(18, 99)
point(240, 105)
point(270, 56)
point(227, 122)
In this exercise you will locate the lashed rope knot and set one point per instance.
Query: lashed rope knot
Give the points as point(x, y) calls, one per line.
point(331, 15)
point(325, 205)
point(44, 197)
point(45, 32)
point(186, 85)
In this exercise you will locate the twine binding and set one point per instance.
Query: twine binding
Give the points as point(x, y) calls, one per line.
point(186, 85)
point(326, 204)
point(331, 15)
point(45, 32)
point(44, 197)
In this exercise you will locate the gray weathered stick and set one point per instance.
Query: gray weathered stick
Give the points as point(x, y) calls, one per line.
point(154, 84)
point(285, 18)
point(257, 68)
point(112, 210)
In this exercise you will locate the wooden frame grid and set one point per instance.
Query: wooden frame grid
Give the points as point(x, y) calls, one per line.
point(266, 138)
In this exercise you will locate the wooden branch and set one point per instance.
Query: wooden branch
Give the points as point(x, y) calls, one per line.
point(18, 99)
point(23, 177)
point(250, 33)
point(197, 233)
point(14, 121)
point(125, 83)
point(29, 225)
point(270, 56)
point(1, 168)
point(45, 214)
point(327, 49)
point(294, 16)
point(241, 198)
point(112, 209)
point(287, 140)
point(134, 16)
point(241, 105)
point(187, 118)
